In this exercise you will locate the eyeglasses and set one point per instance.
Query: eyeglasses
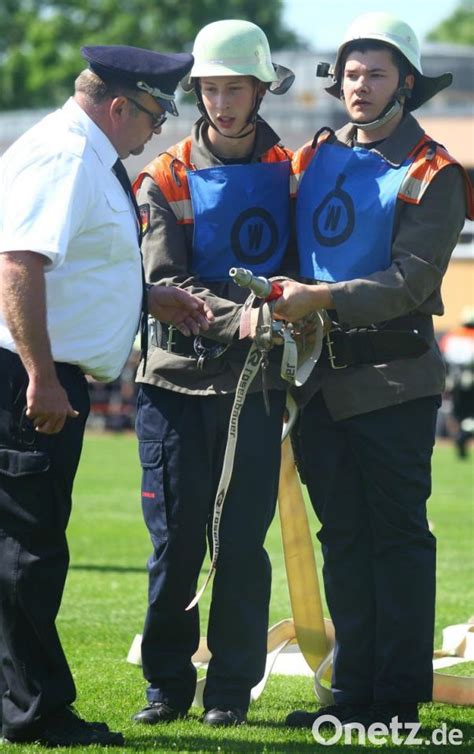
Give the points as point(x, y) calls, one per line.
point(156, 120)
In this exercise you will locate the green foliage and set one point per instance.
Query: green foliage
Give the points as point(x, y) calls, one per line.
point(40, 40)
point(458, 28)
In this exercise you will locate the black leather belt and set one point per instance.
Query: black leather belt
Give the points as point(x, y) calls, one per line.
point(10, 358)
point(170, 339)
point(201, 348)
point(401, 338)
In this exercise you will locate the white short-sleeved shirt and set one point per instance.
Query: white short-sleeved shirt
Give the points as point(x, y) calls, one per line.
point(60, 197)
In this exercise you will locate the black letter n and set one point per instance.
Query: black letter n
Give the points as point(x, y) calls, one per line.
point(255, 235)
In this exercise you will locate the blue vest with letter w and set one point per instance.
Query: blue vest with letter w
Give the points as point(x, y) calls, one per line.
point(241, 218)
point(345, 211)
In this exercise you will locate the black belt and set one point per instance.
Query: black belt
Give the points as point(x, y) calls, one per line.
point(401, 338)
point(11, 357)
point(170, 339)
point(199, 347)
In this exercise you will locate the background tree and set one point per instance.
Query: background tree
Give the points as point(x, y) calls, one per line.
point(458, 28)
point(40, 39)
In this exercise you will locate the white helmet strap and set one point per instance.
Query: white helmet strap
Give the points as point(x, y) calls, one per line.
point(389, 112)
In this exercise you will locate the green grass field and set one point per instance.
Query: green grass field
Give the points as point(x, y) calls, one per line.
point(105, 600)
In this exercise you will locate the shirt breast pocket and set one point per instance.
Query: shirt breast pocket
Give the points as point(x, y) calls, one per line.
point(122, 222)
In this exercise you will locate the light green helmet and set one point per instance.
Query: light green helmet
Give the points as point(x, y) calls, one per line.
point(385, 28)
point(236, 48)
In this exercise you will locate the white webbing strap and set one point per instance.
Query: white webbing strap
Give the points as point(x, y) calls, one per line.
point(290, 371)
point(300, 356)
point(249, 371)
point(289, 358)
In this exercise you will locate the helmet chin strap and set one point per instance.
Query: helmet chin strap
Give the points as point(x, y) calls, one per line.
point(389, 111)
point(251, 120)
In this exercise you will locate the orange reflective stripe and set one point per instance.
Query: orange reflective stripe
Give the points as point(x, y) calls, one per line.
point(300, 162)
point(277, 154)
point(426, 165)
point(183, 211)
point(169, 171)
point(302, 158)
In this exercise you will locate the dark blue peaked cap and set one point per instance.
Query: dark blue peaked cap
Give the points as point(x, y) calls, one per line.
point(156, 73)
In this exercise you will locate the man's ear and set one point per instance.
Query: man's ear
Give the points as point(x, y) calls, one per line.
point(117, 108)
point(409, 81)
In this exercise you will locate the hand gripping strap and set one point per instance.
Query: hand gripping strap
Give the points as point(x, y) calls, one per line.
point(300, 353)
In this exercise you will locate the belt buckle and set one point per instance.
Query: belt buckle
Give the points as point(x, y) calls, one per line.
point(170, 342)
point(331, 355)
point(207, 352)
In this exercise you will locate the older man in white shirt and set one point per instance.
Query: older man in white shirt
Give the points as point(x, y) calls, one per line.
point(71, 294)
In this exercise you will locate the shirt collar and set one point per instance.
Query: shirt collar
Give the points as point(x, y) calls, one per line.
point(201, 157)
point(99, 142)
point(395, 147)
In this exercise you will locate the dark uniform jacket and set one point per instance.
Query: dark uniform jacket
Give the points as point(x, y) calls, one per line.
point(166, 247)
point(424, 236)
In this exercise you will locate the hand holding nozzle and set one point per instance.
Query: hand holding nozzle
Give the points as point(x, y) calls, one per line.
point(260, 286)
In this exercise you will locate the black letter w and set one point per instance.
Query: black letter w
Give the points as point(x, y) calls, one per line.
point(332, 217)
point(255, 236)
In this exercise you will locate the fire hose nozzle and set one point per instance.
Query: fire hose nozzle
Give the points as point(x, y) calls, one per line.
point(260, 286)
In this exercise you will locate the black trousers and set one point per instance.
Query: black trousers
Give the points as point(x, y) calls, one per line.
point(36, 478)
point(182, 440)
point(369, 478)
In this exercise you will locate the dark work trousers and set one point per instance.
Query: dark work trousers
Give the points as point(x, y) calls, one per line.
point(36, 477)
point(182, 440)
point(369, 478)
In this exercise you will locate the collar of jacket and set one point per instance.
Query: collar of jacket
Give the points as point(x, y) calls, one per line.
point(395, 147)
point(202, 157)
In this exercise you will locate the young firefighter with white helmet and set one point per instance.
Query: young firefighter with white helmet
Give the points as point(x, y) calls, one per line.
point(379, 209)
point(218, 199)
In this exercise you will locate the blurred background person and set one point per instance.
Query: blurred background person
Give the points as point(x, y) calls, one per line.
point(457, 347)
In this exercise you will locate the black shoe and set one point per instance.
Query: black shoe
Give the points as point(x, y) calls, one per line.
point(232, 716)
point(95, 724)
point(158, 712)
point(385, 712)
point(301, 719)
point(461, 444)
point(65, 728)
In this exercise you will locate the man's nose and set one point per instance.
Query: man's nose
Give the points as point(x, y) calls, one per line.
point(222, 101)
point(362, 84)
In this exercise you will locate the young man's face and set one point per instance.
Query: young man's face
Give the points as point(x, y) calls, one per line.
point(229, 100)
point(369, 83)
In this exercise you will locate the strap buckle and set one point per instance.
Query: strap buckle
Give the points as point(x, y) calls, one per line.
point(161, 337)
point(331, 355)
point(203, 352)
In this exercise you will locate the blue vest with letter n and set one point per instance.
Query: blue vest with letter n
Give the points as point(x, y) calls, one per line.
point(241, 218)
point(344, 213)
